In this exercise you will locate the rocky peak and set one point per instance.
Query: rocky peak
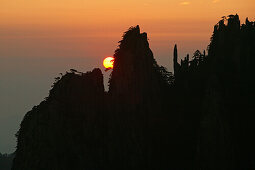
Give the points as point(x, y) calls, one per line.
point(134, 71)
point(73, 86)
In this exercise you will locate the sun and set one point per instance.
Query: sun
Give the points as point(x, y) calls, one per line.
point(108, 62)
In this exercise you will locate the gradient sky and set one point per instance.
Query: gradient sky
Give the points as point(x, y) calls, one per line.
point(41, 38)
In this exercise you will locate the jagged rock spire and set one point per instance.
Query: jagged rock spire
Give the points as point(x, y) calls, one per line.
point(134, 68)
point(175, 60)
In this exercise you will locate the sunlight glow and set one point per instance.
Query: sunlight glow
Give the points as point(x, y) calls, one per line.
point(108, 62)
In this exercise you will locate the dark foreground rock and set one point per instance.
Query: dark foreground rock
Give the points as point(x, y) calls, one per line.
point(199, 118)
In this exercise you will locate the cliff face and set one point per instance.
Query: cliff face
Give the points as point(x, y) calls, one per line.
point(135, 70)
point(202, 118)
point(65, 129)
point(6, 161)
point(230, 91)
point(138, 119)
point(217, 89)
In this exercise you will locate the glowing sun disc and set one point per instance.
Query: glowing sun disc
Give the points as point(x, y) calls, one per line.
point(108, 62)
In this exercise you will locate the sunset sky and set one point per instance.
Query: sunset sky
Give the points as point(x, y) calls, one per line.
point(41, 38)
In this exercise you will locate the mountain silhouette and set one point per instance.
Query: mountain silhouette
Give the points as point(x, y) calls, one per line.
point(200, 117)
point(6, 161)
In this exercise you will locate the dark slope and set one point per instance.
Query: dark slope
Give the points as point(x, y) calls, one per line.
point(218, 90)
point(139, 119)
point(202, 118)
point(6, 161)
point(67, 128)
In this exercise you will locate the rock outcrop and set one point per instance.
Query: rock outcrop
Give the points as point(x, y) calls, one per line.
point(67, 128)
point(139, 115)
point(6, 161)
point(200, 118)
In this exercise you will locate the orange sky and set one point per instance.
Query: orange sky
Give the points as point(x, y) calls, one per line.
point(82, 12)
point(27, 27)
point(176, 20)
point(40, 38)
